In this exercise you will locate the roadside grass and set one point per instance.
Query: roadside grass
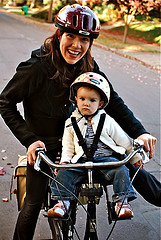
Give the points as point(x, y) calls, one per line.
point(141, 37)
point(115, 41)
point(149, 32)
point(152, 30)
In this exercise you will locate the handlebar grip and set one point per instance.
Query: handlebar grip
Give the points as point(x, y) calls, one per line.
point(38, 160)
point(39, 149)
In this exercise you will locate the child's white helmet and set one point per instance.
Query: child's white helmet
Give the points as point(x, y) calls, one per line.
point(93, 80)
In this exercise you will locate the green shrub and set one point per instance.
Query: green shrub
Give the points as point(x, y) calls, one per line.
point(146, 31)
point(106, 12)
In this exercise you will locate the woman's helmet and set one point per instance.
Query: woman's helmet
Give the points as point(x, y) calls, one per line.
point(78, 19)
point(93, 80)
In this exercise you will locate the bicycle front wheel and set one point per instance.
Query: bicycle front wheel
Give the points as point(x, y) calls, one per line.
point(61, 229)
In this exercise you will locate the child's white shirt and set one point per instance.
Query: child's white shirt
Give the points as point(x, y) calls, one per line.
point(112, 135)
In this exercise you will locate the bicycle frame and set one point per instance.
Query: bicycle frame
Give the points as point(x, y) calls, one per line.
point(91, 232)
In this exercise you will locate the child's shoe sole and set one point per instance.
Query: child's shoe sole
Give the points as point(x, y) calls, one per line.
point(58, 211)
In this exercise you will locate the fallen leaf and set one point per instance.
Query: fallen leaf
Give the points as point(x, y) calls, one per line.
point(5, 199)
point(2, 172)
point(3, 151)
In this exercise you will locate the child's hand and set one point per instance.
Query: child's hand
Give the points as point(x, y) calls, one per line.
point(56, 170)
point(139, 163)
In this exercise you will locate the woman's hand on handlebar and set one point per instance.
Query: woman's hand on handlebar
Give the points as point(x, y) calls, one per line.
point(149, 143)
point(31, 156)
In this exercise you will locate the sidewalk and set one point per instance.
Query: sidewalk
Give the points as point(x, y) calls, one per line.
point(149, 59)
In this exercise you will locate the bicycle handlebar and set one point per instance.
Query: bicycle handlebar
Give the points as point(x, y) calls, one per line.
point(137, 148)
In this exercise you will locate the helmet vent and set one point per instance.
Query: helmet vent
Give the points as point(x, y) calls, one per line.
point(74, 20)
point(94, 24)
point(85, 22)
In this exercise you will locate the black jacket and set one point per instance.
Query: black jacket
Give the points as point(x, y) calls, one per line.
point(47, 106)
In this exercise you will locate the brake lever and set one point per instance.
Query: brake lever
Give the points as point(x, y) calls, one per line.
point(139, 144)
point(144, 156)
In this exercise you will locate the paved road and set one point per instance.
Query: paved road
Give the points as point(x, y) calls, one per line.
point(138, 86)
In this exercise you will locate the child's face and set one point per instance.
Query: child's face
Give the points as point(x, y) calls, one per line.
point(88, 100)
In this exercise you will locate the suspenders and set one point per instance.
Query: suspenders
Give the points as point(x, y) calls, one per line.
point(89, 152)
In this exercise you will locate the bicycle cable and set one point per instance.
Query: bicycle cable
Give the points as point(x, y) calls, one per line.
point(75, 197)
point(123, 201)
point(72, 195)
point(53, 177)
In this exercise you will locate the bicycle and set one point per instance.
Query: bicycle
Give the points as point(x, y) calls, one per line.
point(64, 228)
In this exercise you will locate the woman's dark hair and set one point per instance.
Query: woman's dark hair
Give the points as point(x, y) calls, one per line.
point(64, 72)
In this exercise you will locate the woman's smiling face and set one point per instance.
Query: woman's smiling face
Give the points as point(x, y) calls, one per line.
point(73, 47)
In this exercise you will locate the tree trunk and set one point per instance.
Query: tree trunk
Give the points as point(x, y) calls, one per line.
point(50, 14)
point(32, 4)
point(125, 32)
point(128, 19)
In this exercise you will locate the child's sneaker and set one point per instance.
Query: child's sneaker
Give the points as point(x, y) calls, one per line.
point(125, 212)
point(58, 211)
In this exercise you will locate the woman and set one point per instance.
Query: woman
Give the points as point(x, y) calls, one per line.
point(42, 84)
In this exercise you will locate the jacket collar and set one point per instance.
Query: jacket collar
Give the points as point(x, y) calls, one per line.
point(77, 114)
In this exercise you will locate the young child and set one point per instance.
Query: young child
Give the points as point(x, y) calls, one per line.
point(91, 93)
